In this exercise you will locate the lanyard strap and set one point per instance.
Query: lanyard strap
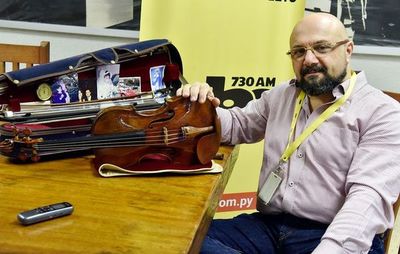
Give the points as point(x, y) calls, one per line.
point(291, 147)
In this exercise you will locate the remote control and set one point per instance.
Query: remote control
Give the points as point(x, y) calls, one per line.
point(45, 213)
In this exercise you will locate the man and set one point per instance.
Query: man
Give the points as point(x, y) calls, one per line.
point(88, 95)
point(331, 165)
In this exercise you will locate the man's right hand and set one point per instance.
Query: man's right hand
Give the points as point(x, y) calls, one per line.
point(198, 92)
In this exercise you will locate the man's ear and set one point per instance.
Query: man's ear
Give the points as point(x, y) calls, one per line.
point(349, 50)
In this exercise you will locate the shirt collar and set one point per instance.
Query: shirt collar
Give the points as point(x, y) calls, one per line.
point(340, 89)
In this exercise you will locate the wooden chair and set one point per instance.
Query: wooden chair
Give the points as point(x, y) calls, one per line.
point(392, 243)
point(18, 55)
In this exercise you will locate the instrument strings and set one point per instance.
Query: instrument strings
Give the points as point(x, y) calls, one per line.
point(110, 140)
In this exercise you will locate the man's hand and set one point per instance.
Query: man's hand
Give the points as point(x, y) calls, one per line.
point(198, 92)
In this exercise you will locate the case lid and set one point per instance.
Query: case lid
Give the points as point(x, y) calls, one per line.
point(12, 82)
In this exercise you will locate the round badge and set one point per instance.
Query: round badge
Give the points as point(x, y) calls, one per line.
point(44, 91)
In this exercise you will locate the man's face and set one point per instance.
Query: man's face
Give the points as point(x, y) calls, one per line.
point(314, 85)
point(318, 73)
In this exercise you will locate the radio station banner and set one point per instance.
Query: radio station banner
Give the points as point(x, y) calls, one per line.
point(238, 47)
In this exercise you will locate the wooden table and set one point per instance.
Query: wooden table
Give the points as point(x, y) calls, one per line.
point(145, 214)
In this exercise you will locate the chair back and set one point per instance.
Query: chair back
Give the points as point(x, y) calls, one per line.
point(14, 57)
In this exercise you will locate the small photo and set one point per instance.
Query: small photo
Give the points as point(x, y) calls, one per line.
point(156, 78)
point(107, 81)
point(87, 90)
point(65, 89)
point(129, 86)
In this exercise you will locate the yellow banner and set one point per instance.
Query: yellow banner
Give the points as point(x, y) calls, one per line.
point(238, 47)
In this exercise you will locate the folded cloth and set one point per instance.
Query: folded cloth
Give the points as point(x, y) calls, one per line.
point(110, 170)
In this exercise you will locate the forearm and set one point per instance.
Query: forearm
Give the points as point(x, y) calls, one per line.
point(245, 125)
point(363, 215)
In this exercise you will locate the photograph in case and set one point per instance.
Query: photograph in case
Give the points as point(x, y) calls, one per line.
point(156, 78)
point(129, 86)
point(65, 89)
point(107, 81)
point(87, 90)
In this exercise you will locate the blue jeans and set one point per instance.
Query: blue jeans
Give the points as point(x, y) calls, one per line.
point(268, 234)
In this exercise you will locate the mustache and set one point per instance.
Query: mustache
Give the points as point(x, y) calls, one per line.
point(312, 69)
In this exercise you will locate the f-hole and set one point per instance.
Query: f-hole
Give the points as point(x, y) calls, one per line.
point(166, 117)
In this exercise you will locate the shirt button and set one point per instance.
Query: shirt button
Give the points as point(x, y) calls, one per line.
point(300, 155)
point(291, 184)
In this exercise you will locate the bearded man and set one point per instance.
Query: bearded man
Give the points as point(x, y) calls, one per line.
point(331, 166)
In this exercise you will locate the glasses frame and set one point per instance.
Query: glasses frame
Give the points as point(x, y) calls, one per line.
point(333, 47)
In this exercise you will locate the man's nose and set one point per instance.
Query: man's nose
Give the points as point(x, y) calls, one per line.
point(310, 57)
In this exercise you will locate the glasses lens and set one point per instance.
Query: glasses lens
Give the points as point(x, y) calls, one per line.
point(318, 49)
point(298, 52)
point(322, 48)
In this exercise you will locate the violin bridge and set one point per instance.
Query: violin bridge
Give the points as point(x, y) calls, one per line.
point(165, 132)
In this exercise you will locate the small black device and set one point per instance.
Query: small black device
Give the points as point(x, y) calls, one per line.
point(45, 213)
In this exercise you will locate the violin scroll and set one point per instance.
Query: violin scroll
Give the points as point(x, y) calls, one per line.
point(22, 146)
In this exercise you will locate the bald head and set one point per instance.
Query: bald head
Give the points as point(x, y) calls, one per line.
point(318, 26)
point(321, 53)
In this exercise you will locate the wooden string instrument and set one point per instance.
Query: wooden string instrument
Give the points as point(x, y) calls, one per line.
point(177, 134)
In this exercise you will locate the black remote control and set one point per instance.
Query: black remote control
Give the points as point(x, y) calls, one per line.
point(45, 213)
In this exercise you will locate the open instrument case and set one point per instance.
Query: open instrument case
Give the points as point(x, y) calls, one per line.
point(29, 113)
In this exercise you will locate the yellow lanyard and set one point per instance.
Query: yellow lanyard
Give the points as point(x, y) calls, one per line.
point(291, 147)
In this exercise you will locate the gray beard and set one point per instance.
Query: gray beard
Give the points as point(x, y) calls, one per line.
point(314, 87)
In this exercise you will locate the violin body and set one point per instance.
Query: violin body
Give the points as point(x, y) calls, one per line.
point(179, 134)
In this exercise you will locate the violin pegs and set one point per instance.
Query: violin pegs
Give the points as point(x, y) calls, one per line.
point(27, 132)
point(35, 158)
point(23, 156)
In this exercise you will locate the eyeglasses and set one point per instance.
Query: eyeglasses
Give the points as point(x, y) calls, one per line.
point(319, 49)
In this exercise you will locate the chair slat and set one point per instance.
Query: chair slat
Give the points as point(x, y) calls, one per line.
point(26, 54)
